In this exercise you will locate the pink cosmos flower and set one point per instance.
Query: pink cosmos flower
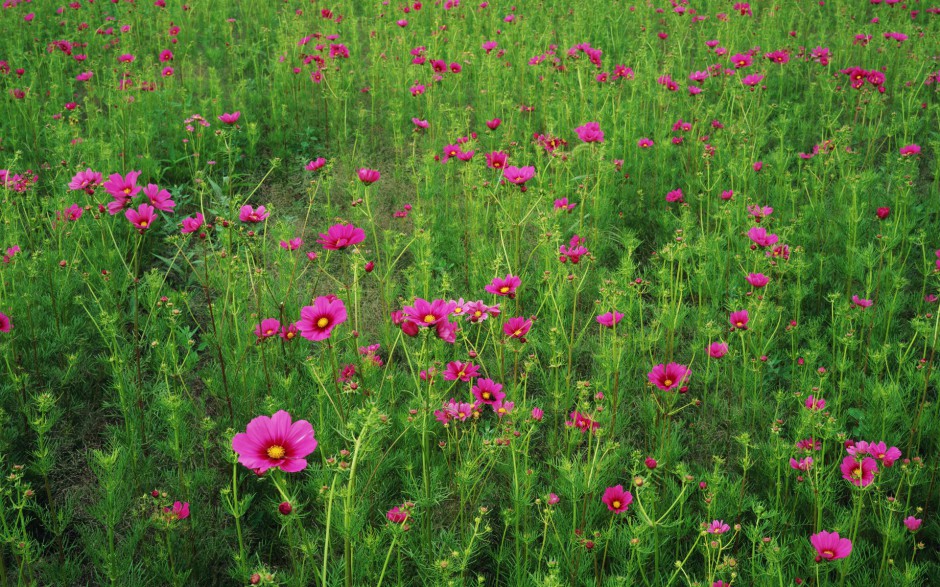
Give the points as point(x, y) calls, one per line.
point(142, 217)
point(590, 133)
point(883, 212)
point(759, 212)
point(425, 313)
point(193, 224)
point(462, 371)
point(757, 279)
point(675, 196)
point(912, 523)
point(581, 422)
point(73, 212)
point(398, 514)
point(829, 546)
point(315, 164)
point(518, 175)
point(493, 124)
point(369, 176)
point(887, 456)
point(289, 332)
point(496, 160)
point(504, 286)
point(248, 214)
point(6, 324)
point(617, 500)
point(574, 251)
point(537, 414)
point(716, 350)
point(739, 319)
point(717, 527)
point(502, 408)
point(860, 474)
point(801, 465)
point(340, 236)
point(267, 328)
point(420, 124)
point(122, 188)
point(159, 199)
point(861, 302)
point(517, 327)
point(644, 143)
point(488, 391)
point(610, 319)
point(909, 150)
point(230, 119)
point(317, 321)
point(86, 180)
point(479, 311)
point(179, 511)
point(291, 245)
point(562, 204)
point(275, 443)
point(815, 403)
point(670, 376)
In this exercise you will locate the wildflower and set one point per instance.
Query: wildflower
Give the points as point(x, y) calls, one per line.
point(717, 527)
point(830, 546)
point(122, 188)
point(617, 500)
point(420, 124)
point(574, 251)
point(251, 215)
point(462, 371)
point(291, 245)
point(488, 391)
point(562, 204)
point(230, 119)
point(73, 212)
point(425, 313)
point(398, 515)
point(912, 523)
point(752, 80)
point(478, 311)
point(538, 414)
point(503, 408)
point(909, 150)
point(267, 328)
point(716, 350)
point(761, 238)
point(193, 224)
point(859, 473)
point(275, 443)
point(504, 286)
point(159, 199)
point(670, 376)
point(369, 176)
point(801, 465)
point(496, 160)
point(340, 236)
point(815, 403)
point(6, 324)
point(760, 212)
point(590, 133)
point(886, 456)
point(86, 180)
point(553, 499)
point(493, 124)
point(517, 327)
point(740, 60)
point(317, 321)
point(289, 332)
point(883, 212)
point(644, 143)
point(142, 217)
point(739, 319)
point(610, 319)
point(675, 196)
point(315, 164)
point(518, 175)
point(446, 331)
point(581, 422)
point(861, 302)
point(179, 511)
point(757, 279)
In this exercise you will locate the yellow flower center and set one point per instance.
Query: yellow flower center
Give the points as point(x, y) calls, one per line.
point(486, 395)
point(504, 289)
point(127, 191)
point(616, 504)
point(739, 324)
point(461, 375)
point(477, 314)
point(458, 310)
point(517, 333)
point(143, 224)
point(857, 472)
point(828, 553)
point(268, 332)
point(276, 451)
point(667, 382)
point(322, 322)
point(429, 319)
point(289, 335)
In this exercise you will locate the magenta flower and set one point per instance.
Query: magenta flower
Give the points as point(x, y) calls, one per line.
point(590, 133)
point(159, 199)
point(122, 188)
point(502, 408)
point(340, 236)
point(617, 500)
point(369, 176)
point(716, 350)
point(315, 164)
point(419, 124)
point(610, 319)
point(505, 286)
point(494, 123)
point(462, 371)
point(675, 196)
point(179, 511)
point(275, 443)
point(573, 251)
point(289, 332)
point(248, 214)
point(757, 279)
point(581, 422)
point(193, 224)
point(537, 414)
point(6, 324)
point(230, 119)
point(267, 328)
point(829, 546)
point(886, 456)
point(488, 391)
point(446, 331)
point(86, 180)
point(518, 175)
point(73, 212)
point(562, 204)
point(739, 319)
point(801, 465)
point(291, 245)
point(496, 160)
point(142, 217)
point(909, 150)
point(912, 523)
point(670, 376)
point(717, 527)
point(398, 514)
point(861, 302)
point(425, 313)
point(761, 238)
point(517, 327)
point(860, 474)
point(644, 143)
point(815, 403)
point(317, 321)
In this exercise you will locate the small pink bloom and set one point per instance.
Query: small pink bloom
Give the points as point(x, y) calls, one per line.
point(590, 133)
point(617, 500)
point(830, 546)
point(275, 442)
point(369, 176)
point(739, 319)
point(341, 236)
point(252, 215)
point(267, 328)
point(610, 319)
point(317, 321)
point(230, 119)
point(179, 511)
point(670, 376)
point(193, 224)
point(716, 350)
point(142, 218)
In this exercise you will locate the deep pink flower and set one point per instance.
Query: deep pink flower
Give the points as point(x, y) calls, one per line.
point(886, 456)
point(562, 204)
point(581, 422)
point(801, 465)
point(315, 164)
point(610, 319)
point(573, 251)
point(617, 500)
point(488, 391)
point(675, 196)
point(912, 523)
point(248, 214)
point(518, 175)
point(73, 212)
point(757, 279)
point(6, 324)
point(193, 224)
point(493, 124)
point(590, 133)
point(87, 180)
point(159, 199)
point(369, 176)
point(883, 212)
point(860, 474)
point(340, 236)
point(517, 327)
point(291, 245)
point(496, 160)
point(398, 514)
point(861, 302)
point(829, 546)
point(739, 319)
point(289, 332)
point(644, 143)
point(504, 286)
point(317, 321)
point(462, 371)
point(230, 119)
point(275, 443)
point(179, 511)
point(538, 414)
point(267, 328)
point(669, 376)
point(815, 403)
point(716, 350)
point(717, 527)
point(142, 217)
point(122, 188)
point(910, 150)
point(425, 313)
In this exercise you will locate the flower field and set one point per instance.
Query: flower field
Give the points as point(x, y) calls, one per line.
point(552, 293)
